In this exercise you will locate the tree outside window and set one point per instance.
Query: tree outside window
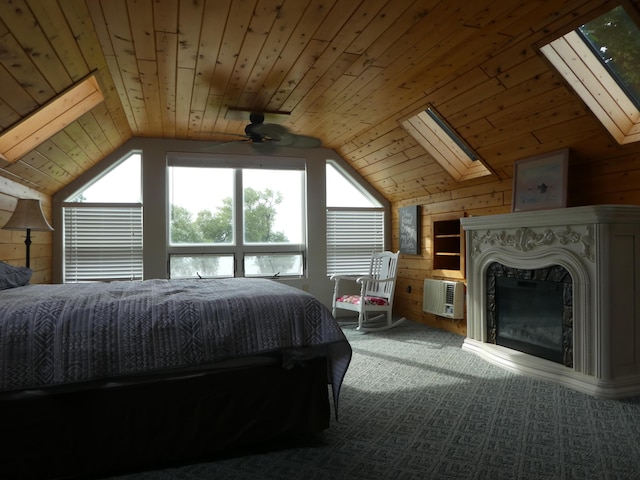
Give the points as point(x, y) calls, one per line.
point(615, 40)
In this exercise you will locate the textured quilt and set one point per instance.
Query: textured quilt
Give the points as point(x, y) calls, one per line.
point(60, 334)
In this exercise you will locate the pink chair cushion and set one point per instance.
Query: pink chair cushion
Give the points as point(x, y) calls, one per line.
point(355, 300)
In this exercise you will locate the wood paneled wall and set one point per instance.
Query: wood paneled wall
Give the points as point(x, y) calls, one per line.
point(511, 106)
point(12, 247)
point(600, 172)
point(482, 198)
point(508, 106)
point(477, 63)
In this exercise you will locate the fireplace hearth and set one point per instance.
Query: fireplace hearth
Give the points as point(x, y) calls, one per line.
point(594, 252)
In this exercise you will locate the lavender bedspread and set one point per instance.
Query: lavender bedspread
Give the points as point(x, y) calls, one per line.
point(60, 334)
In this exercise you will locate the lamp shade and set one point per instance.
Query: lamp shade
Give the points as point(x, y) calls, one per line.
point(28, 215)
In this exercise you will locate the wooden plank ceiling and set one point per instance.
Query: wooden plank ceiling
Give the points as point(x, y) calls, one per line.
point(347, 70)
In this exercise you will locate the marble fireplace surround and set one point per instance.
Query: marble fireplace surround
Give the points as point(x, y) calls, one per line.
point(600, 247)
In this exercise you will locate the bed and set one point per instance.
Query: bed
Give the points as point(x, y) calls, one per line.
point(105, 378)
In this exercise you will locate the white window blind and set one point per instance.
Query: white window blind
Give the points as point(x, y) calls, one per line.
point(352, 235)
point(102, 243)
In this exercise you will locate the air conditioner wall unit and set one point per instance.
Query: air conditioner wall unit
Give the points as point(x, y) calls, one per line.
point(444, 298)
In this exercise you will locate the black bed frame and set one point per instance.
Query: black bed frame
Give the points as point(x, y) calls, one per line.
point(109, 429)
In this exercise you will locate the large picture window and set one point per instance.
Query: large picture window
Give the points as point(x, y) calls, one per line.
point(229, 219)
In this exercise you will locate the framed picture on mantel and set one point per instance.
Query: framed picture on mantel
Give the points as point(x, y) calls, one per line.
point(540, 182)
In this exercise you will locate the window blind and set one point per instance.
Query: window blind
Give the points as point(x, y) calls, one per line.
point(102, 243)
point(352, 235)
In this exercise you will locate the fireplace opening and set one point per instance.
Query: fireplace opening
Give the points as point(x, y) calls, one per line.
point(531, 311)
point(529, 317)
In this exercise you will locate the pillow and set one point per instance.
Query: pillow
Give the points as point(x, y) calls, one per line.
point(11, 276)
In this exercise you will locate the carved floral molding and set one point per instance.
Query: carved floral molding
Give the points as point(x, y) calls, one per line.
point(526, 240)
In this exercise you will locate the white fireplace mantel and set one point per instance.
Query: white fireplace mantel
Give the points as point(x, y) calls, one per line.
point(600, 247)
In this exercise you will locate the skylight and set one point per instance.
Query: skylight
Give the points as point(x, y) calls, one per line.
point(600, 62)
point(49, 120)
point(445, 145)
point(615, 40)
point(453, 135)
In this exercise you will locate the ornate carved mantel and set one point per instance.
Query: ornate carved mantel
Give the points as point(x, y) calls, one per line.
point(525, 239)
point(600, 247)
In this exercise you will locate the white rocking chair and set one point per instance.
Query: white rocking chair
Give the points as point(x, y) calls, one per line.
point(376, 293)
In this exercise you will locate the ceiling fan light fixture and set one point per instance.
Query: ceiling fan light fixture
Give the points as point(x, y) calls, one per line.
point(261, 133)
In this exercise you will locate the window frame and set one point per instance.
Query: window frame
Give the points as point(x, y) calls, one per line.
point(238, 248)
point(154, 155)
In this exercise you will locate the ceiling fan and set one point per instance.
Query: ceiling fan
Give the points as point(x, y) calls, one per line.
point(268, 135)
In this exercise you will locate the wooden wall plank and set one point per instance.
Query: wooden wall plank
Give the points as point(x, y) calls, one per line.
point(318, 79)
point(121, 39)
point(150, 88)
point(14, 59)
point(165, 16)
point(42, 61)
point(141, 19)
point(33, 176)
point(17, 103)
point(290, 15)
point(261, 24)
point(286, 70)
point(210, 72)
point(167, 44)
point(53, 23)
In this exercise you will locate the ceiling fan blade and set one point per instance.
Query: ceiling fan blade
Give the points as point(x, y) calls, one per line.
point(213, 145)
point(264, 147)
point(283, 137)
point(271, 130)
point(305, 141)
point(274, 133)
point(227, 135)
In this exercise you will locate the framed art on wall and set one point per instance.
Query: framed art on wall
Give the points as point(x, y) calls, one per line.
point(409, 230)
point(540, 182)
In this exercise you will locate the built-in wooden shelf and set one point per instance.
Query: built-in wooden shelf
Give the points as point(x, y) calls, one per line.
point(448, 247)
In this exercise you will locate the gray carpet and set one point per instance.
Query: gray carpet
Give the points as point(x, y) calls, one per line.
point(415, 406)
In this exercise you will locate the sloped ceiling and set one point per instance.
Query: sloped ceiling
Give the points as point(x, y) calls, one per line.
point(347, 71)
